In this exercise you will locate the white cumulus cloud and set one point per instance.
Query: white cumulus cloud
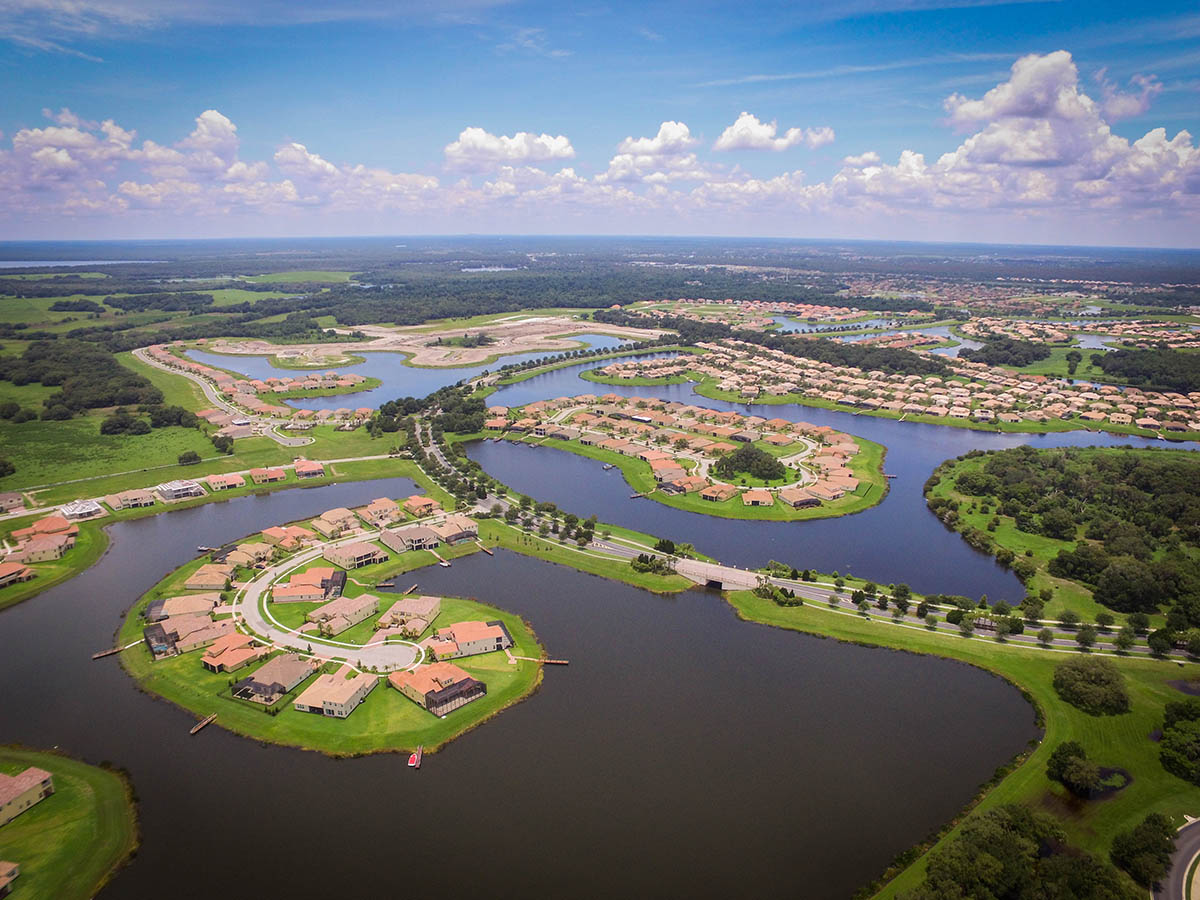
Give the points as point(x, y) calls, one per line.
point(748, 132)
point(479, 150)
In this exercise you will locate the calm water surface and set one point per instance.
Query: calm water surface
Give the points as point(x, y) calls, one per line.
point(896, 541)
point(682, 753)
point(398, 379)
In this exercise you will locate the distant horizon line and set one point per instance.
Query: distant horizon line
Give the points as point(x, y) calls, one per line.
point(27, 242)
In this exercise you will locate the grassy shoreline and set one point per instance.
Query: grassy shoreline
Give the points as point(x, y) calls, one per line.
point(72, 843)
point(1119, 741)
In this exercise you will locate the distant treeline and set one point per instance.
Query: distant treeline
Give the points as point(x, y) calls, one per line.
point(837, 353)
point(1161, 370)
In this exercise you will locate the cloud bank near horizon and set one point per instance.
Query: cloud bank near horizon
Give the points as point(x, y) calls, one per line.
point(1035, 148)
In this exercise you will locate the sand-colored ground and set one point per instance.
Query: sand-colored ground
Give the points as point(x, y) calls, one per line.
point(550, 334)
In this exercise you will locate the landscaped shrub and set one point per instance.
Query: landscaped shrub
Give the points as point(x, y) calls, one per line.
point(1092, 684)
point(1145, 851)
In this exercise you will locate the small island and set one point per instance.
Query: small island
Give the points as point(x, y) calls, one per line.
point(299, 635)
point(718, 463)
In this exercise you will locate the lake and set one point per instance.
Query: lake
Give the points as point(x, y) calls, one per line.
point(682, 753)
point(897, 541)
point(399, 380)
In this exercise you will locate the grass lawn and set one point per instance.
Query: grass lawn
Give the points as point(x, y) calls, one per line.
point(233, 296)
point(47, 452)
point(72, 842)
point(1111, 740)
point(176, 390)
point(640, 381)
point(386, 720)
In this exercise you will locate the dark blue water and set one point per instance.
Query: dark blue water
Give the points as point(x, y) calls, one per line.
point(683, 753)
point(897, 541)
point(787, 323)
point(399, 380)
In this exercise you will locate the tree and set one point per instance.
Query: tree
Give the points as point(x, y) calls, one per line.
point(1068, 618)
point(1161, 641)
point(6, 467)
point(1145, 851)
point(1074, 358)
point(1124, 639)
point(1179, 749)
point(1002, 629)
point(1016, 625)
point(188, 458)
point(864, 607)
point(1092, 684)
point(1139, 622)
point(1086, 637)
point(1105, 621)
point(666, 546)
point(1045, 637)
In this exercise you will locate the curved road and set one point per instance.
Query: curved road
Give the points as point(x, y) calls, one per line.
point(1187, 847)
point(250, 607)
point(214, 397)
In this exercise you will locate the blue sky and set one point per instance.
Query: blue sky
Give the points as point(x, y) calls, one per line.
point(375, 92)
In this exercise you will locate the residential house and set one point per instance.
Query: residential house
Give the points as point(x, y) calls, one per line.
point(306, 468)
point(469, 639)
point(130, 499)
point(181, 489)
point(209, 577)
point(231, 652)
point(336, 695)
point(335, 522)
point(411, 615)
point(381, 512)
point(267, 476)
point(798, 498)
point(224, 482)
point(44, 548)
point(274, 678)
point(419, 506)
point(456, 529)
point(8, 874)
point(14, 573)
point(355, 555)
point(250, 554)
point(344, 612)
point(757, 497)
point(81, 509)
point(440, 687)
point(22, 791)
point(410, 537)
point(183, 605)
point(10, 500)
point(718, 492)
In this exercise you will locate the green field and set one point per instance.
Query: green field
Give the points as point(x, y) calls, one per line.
point(1118, 741)
point(386, 720)
point(306, 275)
point(72, 842)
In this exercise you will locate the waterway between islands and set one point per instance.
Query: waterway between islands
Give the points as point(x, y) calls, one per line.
point(682, 753)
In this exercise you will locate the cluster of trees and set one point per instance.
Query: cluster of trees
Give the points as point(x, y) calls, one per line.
point(78, 305)
point(1160, 370)
point(1093, 684)
point(837, 353)
point(89, 377)
point(649, 562)
point(171, 301)
point(12, 411)
point(123, 422)
point(1145, 850)
point(1179, 748)
point(1007, 352)
point(752, 461)
point(1015, 853)
point(1069, 766)
point(1134, 513)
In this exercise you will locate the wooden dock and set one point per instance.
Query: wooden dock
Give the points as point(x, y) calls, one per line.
point(484, 549)
point(104, 653)
point(409, 591)
point(202, 723)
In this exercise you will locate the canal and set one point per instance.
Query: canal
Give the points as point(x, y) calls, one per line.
point(682, 753)
point(897, 541)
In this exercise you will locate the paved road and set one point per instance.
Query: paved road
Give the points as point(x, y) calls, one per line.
point(266, 425)
point(249, 609)
point(1187, 846)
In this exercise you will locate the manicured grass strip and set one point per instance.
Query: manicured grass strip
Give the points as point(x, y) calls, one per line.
point(1122, 741)
point(72, 842)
